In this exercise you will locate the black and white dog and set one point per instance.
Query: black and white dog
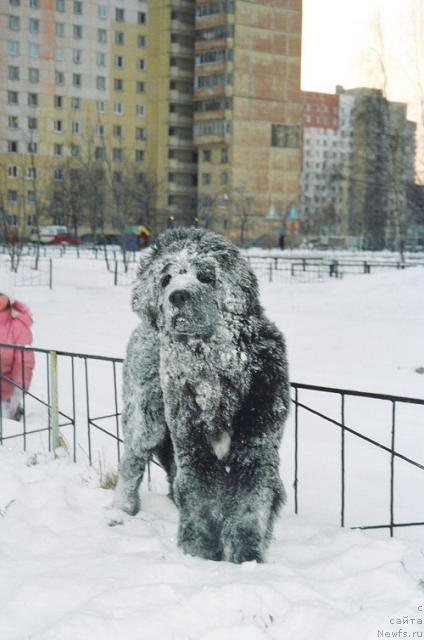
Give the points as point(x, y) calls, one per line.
point(206, 391)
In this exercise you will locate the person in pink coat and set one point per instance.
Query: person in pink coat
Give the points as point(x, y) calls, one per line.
point(16, 365)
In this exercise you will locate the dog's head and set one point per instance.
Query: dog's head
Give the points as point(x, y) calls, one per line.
point(192, 279)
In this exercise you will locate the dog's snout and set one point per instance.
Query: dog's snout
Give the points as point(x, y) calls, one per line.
point(179, 297)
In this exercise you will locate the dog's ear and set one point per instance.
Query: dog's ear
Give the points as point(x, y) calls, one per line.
point(144, 295)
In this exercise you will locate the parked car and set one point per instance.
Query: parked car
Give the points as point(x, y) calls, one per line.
point(54, 234)
point(100, 239)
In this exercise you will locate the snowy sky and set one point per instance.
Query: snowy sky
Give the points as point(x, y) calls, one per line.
point(338, 38)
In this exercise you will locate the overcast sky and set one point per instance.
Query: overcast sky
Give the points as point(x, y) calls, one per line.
point(338, 38)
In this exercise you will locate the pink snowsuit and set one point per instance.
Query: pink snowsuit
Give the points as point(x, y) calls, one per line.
point(17, 365)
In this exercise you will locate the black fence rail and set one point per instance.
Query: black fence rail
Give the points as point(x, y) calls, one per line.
point(278, 268)
point(351, 457)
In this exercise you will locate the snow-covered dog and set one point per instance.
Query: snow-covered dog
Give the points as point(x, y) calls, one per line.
point(206, 391)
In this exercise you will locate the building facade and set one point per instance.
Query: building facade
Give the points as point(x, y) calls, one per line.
point(199, 102)
point(358, 161)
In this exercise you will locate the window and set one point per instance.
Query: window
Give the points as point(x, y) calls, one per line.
point(118, 108)
point(119, 61)
point(75, 104)
point(139, 155)
point(13, 73)
point(140, 64)
point(117, 153)
point(31, 197)
point(34, 4)
point(77, 56)
point(12, 195)
point(12, 97)
point(101, 59)
point(31, 173)
point(100, 129)
point(34, 25)
point(141, 41)
point(14, 3)
point(139, 109)
point(224, 156)
point(206, 178)
point(77, 8)
point(75, 150)
point(139, 133)
point(224, 178)
point(33, 99)
point(58, 172)
point(101, 83)
point(119, 37)
point(100, 106)
point(117, 130)
point(119, 15)
point(77, 31)
point(58, 102)
point(60, 6)
point(99, 153)
point(12, 171)
point(139, 86)
point(58, 149)
point(60, 54)
point(75, 126)
point(118, 84)
point(58, 126)
point(32, 147)
point(60, 29)
point(33, 75)
point(207, 155)
point(12, 122)
point(76, 80)
point(34, 50)
point(212, 128)
point(59, 78)
point(13, 47)
point(12, 146)
point(141, 17)
point(102, 11)
point(14, 23)
point(102, 36)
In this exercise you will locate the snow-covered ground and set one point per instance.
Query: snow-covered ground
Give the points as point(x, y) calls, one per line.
point(65, 574)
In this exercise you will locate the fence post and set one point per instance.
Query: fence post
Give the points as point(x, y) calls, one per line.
point(270, 271)
point(115, 278)
point(50, 274)
point(54, 402)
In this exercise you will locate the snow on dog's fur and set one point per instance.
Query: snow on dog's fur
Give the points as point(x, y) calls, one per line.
point(206, 391)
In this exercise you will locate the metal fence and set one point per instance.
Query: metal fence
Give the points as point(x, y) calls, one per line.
point(351, 457)
point(30, 273)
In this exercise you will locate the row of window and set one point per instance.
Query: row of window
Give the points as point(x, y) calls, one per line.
point(58, 127)
point(214, 8)
point(78, 9)
point(59, 150)
point(101, 105)
point(212, 56)
point(208, 155)
point(77, 33)
point(207, 178)
point(213, 80)
point(212, 128)
point(77, 81)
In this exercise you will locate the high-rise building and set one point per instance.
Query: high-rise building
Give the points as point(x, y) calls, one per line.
point(358, 162)
point(198, 101)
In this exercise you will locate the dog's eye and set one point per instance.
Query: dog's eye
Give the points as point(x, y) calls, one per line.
point(207, 277)
point(165, 281)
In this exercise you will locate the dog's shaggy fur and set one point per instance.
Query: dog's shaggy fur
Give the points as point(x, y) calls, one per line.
point(206, 391)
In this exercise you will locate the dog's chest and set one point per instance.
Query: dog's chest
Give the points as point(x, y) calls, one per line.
point(194, 378)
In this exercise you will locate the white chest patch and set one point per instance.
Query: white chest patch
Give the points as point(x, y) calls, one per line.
point(221, 445)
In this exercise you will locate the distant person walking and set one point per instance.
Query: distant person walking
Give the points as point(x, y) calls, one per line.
point(281, 241)
point(16, 365)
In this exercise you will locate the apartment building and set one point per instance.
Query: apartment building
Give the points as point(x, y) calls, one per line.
point(358, 160)
point(199, 99)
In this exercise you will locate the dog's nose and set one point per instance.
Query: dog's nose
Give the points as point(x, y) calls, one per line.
point(179, 297)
